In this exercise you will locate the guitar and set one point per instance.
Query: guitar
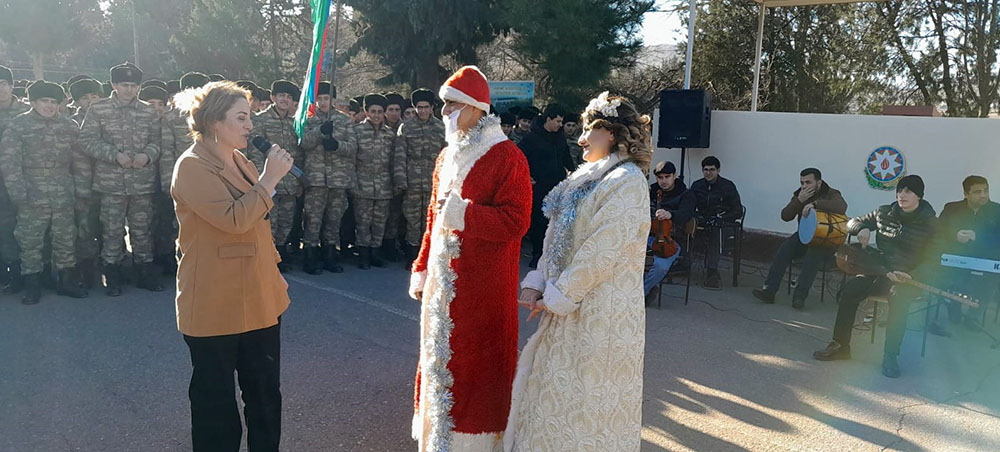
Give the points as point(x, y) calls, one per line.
point(855, 260)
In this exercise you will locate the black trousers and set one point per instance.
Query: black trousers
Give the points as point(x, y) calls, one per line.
point(855, 290)
point(538, 221)
point(790, 249)
point(215, 418)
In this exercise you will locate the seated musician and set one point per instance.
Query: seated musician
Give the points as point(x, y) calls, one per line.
point(718, 207)
point(813, 194)
point(669, 199)
point(971, 228)
point(904, 232)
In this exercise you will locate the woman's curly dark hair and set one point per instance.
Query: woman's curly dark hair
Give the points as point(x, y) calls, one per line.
point(630, 129)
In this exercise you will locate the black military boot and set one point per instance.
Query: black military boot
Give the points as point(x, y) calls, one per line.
point(66, 284)
point(113, 280)
point(86, 271)
point(331, 263)
point(388, 251)
point(313, 264)
point(16, 281)
point(148, 278)
point(364, 257)
point(33, 289)
point(284, 265)
point(169, 265)
point(410, 255)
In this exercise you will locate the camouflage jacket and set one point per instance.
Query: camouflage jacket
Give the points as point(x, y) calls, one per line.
point(374, 163)
point(516, 135)
point(176, 139)
point(36, 157)
point(419, 144)
point(7, 114)
point(279, 131)
point(575, 151)
point(83, 164)
point(330, 169)
point(110, 127)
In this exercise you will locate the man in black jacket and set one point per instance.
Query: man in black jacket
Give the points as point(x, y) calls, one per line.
point(718, 209)
point(669, 199)
point(904, 233)
point(549, 162)
point(971, 228)
point(813, 194)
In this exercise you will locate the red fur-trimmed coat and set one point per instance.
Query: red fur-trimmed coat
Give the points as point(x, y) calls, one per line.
point(466, 276)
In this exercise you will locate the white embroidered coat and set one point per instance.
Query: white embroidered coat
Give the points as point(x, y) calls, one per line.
point(578, 385)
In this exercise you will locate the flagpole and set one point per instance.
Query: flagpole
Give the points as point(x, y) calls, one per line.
point(336, 39)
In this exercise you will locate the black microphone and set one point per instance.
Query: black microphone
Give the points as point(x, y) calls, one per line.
point(263, 146)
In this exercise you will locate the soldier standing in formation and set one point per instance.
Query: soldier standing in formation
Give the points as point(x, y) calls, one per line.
point(420, 141)
point(10, 256)
point(276, 124)
point(374, 188)
point(87, 205)
point(395, 103)
point(571, 127)
point(36, 157)
point(122, 134)
point(331, 148)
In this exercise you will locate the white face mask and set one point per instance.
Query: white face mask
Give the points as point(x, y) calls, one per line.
point(451, 126)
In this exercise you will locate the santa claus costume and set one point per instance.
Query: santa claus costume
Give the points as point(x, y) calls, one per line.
point(466, 277)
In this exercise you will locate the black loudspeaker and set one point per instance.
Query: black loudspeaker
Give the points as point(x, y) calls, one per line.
point(685, 118)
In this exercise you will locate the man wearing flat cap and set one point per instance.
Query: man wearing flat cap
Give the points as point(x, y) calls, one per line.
point(10, 256)
point(85, 92)
point(331, 147)
point(122, 134)
point(276, 124)
point(36, 157)
point(420, 141)
point(374, 188)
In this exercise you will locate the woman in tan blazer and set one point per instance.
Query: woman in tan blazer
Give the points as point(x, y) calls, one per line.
point(230, 295)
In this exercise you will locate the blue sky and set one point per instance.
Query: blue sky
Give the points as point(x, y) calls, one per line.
point(662, 27)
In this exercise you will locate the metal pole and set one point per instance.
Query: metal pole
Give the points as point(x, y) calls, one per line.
point(336, 39)
point(692, 17)
point(756, 65)
point(135, 37)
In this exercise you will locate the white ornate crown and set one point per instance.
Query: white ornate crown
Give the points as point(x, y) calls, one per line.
point(602, 105)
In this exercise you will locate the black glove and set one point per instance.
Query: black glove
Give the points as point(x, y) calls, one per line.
point(326, 129)
point(330, 144)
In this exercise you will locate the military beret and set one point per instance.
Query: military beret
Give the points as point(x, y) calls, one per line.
point(193, 80)
point(126, 73)
point(6, 74)
point(508, 119)
point(83, 87)
point(154, 82)
point(42, 89)
point(326, 88)
point(375, 99)
point(153, 92)
point(395, 99)
point(216, 77)
point(173, 87)
point(287, 87)
point(422, 95)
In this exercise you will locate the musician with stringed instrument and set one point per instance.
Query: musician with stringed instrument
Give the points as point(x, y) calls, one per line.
point(814, 194)
point(904, 234)
point(671, 206)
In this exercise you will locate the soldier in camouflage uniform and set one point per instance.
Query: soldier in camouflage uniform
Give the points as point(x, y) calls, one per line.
point(175, 139)
point(420, 142)
point(331, 147)
point(374, 188)
point(36, 157)
point(571, 127)
point(10, 256)
point(122, 134)
point(88, 204)
point(276, 124)
point(395, 104)
point(525, 116)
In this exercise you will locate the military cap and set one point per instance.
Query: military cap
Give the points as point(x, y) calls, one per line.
point(173, 87)
point(154, 82)
point(83, 87)
point(42, 89)
point(287, 87)
point(77, 78)
point(375, 99)
point(326, 88)
point(527, 113)
point(355, 106)
point(126, 73)
point(6, 74)
point(19, 91)
point(571, 117)
point(106, 89)
point(395, 99)
point(153, 92)
point(216, 77)
point(422, 95)
point(247, 85)
point(193, 80)
point(508, 119)
point(265, 94)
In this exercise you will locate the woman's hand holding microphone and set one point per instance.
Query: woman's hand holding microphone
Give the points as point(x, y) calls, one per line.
point(277, 165)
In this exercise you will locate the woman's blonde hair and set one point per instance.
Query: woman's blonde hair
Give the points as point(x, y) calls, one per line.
point(208, 105)
point(630, 129)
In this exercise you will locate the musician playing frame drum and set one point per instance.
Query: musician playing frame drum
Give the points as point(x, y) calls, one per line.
point(904, 234)
point(813, 194)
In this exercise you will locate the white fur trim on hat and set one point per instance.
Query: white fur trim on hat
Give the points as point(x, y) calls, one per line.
point(454, 95)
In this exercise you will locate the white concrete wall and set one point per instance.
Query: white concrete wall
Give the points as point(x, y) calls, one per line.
point(764, 152)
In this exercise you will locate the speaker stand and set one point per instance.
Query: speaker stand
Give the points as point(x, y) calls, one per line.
point(683, 155)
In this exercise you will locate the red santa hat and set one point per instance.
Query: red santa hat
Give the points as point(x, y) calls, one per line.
point(468, 86)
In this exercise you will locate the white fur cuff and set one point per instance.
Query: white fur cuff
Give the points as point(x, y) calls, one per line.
point(453, 212)
point(417, 281)
point(556, 302)
point(534, 280)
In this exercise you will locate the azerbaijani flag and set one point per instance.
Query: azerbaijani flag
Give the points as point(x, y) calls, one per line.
point(320, 16)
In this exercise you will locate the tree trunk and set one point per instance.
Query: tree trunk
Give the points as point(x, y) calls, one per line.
point(37, 67)
point(428, 74)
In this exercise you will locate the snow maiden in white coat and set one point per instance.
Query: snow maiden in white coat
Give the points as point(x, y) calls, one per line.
point(578, 384)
